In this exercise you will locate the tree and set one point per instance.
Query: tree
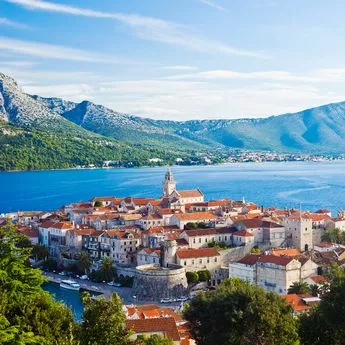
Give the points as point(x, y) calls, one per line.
point(28, 314)
point(204, 275)
point(325, 324)
point(98, 203)
point(334, 236)
point(50, 264)
point(24, 242)
point(192, 277)
point(103, 322)
point(190, 226)
point(314, 290)
point(255, 250)
point(241, 313)
point(107, 269)
point(84, 262)
point(153, 340)
point(299, 288)
point(40, 252)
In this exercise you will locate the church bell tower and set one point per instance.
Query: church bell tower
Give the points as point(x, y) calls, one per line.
point(169, 184)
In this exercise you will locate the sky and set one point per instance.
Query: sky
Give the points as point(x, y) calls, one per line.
point(178, 59)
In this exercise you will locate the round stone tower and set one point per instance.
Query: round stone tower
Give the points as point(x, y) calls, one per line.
point(168, 252)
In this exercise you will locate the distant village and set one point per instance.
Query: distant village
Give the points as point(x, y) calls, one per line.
point(161, 244)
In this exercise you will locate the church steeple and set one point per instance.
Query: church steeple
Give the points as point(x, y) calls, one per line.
point(169, 184)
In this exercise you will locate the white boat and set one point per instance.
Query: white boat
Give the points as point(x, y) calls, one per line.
point(69, 284)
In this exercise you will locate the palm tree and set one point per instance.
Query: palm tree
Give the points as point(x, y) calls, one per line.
point(314, 290)
point(107, 269)
point(299, 288)
point(84, 262)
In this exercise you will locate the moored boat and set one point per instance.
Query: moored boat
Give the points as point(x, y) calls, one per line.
point(69, 284)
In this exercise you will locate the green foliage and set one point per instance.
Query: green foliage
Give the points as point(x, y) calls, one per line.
point(50, 264)
point(28, 315)
point(325, 324)
point(255, 250)
point(204, 275)
point(299, 288)
point(106, 272)
point(153, 340)
point(103, 322)
point(219, 245)
point(314, 290)
point(98, 203)
point(84, 262)
point(190, 226)
point(240, 313)
point(34, 149)
point(40, 252)
point(192, 277)
point(334, 236)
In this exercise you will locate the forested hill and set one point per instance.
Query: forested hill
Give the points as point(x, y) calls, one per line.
point(43, 133)
point(317, 130)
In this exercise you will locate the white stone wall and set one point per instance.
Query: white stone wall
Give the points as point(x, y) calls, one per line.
point(243, 272)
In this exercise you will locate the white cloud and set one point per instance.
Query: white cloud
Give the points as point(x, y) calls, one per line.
point(12, 24)
point(182, 100)
point(50, 51)
point(315, 76)
point(180, 68)
point(213, 5)
point(147, 28)
point(19, 63)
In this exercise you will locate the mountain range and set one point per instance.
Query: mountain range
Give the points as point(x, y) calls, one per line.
point(38, 126)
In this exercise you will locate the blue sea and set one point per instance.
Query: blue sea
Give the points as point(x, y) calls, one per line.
point(312, 185)
point(69, 297)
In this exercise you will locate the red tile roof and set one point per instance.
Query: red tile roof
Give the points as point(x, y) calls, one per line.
point(167, 326)
point(196, 253)
point(295, 302)
point(277, 260)
point(250, 259)
point(318, 279)
point(193, 193)
point(56, 225)
point(29, 232)
point(195, 216)
point(243, 233)
point(286, 252)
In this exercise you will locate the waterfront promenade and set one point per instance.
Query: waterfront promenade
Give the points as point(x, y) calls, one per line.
point(106, 290)
point(99, 288)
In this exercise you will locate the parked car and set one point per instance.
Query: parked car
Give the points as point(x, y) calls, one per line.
point(84, 277)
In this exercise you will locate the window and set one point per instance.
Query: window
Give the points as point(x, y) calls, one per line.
point(193, 240)
point(215, 259)
point(206, 240)
point(200, 261)
point(199, 239)
point(192, 262)
point(185, 263)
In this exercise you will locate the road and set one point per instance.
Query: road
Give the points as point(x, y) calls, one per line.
point(103, 288)
point(106, 290)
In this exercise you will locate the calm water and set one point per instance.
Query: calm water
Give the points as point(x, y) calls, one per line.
point(314, 185)
point(69, 297)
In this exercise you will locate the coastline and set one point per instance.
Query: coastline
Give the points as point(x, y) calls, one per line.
point(178, 165)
